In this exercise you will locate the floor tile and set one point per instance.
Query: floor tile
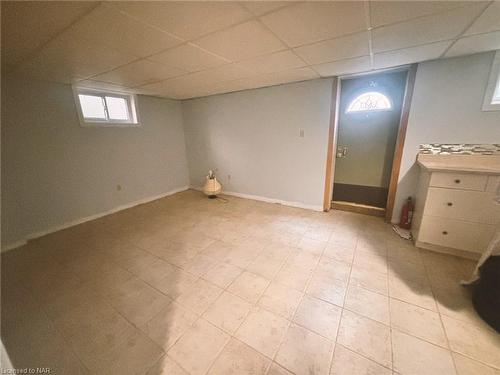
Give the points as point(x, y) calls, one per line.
point(198, 348)
point(371, 280)
point(366, 337)
point(238, 358)
point(200, 296)
point(480, 344)
point(370, 304)
point(327, 289)
point(276, 369)
point(347, 362)
point(467, 366)
point(248, 286)
point(280, 299)
point(415, 291)
point(265, 266)
point(305, 352)
point(175, 283)
point(339, 252)
point(263, 331)
point(293, 276)
point(166, 366)
point(318, 316)
point(414, 356)
point(222, 274)
point(169, 325)
point(228, 312)
point(418, 322)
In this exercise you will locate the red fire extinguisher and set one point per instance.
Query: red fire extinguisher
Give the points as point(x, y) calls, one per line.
point(406, 214)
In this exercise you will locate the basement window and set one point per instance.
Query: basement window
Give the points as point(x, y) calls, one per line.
point(105, 108)
point(370, 101)
point(492, 95)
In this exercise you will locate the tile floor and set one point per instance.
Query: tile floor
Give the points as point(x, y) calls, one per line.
point(187, 285)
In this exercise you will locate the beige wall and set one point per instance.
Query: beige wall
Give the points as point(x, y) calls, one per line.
point(254, 136)
point(446, 108)
point(54, 171)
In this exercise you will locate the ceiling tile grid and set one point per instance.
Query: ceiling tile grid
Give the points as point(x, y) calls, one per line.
point(187, 49)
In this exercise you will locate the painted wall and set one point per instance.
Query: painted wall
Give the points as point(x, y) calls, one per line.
point(54, 171)
point(446, 108)
point(254, 136)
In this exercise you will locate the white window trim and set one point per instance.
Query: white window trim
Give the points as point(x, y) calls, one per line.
point(131, 104)
point(493, 82)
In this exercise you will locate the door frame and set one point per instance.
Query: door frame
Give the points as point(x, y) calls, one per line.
point(400, 140)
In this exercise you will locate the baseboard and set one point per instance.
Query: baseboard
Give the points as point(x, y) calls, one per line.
point(267, 200)
point(72, 223)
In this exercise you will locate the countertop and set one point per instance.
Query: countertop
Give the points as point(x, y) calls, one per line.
point(484, 164)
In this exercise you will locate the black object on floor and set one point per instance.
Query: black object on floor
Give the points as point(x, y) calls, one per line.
point(486, 292)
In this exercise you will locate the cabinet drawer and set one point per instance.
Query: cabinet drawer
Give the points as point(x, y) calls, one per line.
point(455, 234)
point(463, 181)
point(467, 205)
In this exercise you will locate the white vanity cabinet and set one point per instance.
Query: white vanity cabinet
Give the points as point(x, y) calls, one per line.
point(456, 210)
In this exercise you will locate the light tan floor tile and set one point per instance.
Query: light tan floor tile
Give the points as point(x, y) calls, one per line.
point(280, 299)
point(175, 283)
point(414, 356)
point(238, 358)
point(347, 362)
point(313, 246)
point(200, 296)
point(305, 352)
point(153, 272)
point(371, 262)
point(222, 274)
point(276, 369)
point(318, 316)
point(166, 366)
point(366, 337)
point(327, 289)
point(198, 348)
point(338, 252)
point(228, 312)
point(249, 286)
point(418, 322)
point(467, 366)
point(370, 304)
point(169, 325)
point(371, 280)
point(482, 344)
point(415, 291)
point(333, 269)
point(263, 331)
point(265, 266)
point(302, 259)
point(293, 276)
point(139, 304)
point(200, 264)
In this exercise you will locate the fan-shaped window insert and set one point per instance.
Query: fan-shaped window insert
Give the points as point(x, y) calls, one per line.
point(370, 101)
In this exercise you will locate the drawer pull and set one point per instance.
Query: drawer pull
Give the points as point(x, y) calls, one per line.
point(449, 204)
point(457, 181)
point(445, 232)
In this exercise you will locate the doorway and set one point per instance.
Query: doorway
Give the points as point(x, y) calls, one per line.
point(369, 115)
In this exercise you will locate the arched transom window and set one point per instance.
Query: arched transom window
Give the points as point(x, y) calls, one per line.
point(370, 101)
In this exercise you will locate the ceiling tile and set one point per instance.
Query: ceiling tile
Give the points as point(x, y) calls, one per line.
point(425, 30)
point(139, 73)
point(107, 26)
point(273, 62)
point(475, 44)
point(243, 41)
point(89, 83)
point(261, 7)
point(387, 12)
point(187, 19)
point(27, 25)
point(69, 56)
point(335, 49)
point(189, 57)
point(410, 55)
point(310, 22)
point(488, 21)
point(348, 66)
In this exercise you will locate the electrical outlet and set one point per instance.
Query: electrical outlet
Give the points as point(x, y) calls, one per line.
point(301, 133)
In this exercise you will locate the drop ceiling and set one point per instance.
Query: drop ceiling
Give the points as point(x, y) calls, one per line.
point(182, 50)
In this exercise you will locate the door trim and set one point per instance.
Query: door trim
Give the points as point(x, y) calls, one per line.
point(400, 140)
point(332, 145)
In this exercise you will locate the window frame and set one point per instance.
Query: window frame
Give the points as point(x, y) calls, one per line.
point(365, 111)
point(131, 100)
point(493, 85)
